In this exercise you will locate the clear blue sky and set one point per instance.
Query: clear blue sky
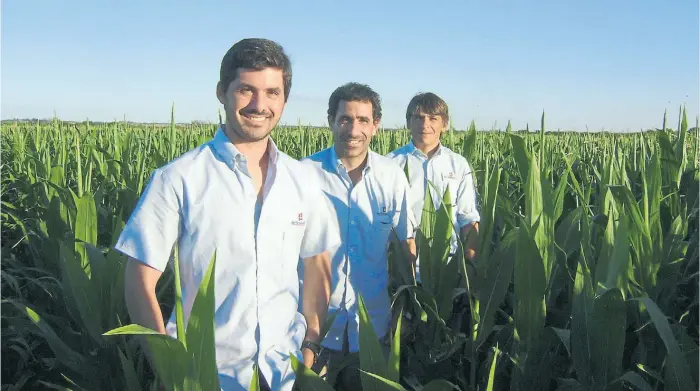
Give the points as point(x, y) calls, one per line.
point(602, 64)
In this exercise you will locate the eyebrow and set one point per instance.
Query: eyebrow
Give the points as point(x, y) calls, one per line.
point(271, 89)
point(361, 117)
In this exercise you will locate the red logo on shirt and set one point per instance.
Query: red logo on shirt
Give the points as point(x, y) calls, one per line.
point(299, 220)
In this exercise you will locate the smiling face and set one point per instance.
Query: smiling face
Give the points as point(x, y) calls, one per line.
point(253, 102)
point(353, 128)
point(426, 128)
point(427, 116)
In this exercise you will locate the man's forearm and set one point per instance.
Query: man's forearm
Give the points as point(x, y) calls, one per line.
point(140, 296)
point(316, 294)
point(141, 300)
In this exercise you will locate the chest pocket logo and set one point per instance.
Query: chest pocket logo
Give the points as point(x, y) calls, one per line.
point(299, 221)
point(449, 179)
point(383, 219)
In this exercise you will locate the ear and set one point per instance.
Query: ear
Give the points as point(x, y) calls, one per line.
point(375, 128)
point(220, 92)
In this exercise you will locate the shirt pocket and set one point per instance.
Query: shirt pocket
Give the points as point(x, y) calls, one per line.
point(379, 235)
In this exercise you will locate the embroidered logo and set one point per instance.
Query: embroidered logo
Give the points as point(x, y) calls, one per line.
point(451, 175)
point(300, 219)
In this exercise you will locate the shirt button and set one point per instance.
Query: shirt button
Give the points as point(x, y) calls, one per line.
point(352, 249)
point(352, 222)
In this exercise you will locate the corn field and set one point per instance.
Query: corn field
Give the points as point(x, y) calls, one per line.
point(586, 277)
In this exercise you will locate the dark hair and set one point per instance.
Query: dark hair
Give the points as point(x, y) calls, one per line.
point(255, 53)
point(354, 92)
point(429, 103)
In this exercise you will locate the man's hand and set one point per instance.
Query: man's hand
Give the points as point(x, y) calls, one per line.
point(309, 357)
point(470, 232)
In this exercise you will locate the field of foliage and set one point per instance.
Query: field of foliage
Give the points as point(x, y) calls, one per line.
point(587, 278)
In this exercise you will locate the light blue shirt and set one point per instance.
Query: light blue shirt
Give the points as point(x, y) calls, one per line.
point(368, 214)
point(445, 169)
point(204, 200)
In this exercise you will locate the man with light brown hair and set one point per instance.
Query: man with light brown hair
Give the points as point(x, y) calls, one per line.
point(427, 117)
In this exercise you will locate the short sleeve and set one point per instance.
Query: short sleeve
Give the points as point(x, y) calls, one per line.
point(322, 232)
point(404, 220)
point(154, 225)
point(467, 211)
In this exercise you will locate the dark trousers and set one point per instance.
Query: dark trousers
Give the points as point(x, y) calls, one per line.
point(341, 368)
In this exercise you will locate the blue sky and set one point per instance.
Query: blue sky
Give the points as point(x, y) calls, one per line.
point(589, 64)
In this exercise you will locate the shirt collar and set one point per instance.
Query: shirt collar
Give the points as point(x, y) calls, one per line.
point(223, 145)
point(417, 152)
point(337, 165)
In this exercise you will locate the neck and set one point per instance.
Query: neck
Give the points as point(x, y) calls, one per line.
point(354, 165)
point(254, 151)
point(428, 150)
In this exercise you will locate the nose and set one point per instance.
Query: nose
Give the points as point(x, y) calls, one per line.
point(424, 122)
point(257, 102)
point(353, 129)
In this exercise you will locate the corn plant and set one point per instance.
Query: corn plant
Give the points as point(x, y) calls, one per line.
point(586, 275)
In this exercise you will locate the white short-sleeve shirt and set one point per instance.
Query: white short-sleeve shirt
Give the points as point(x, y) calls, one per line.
point(368, 214)
point(204, 201)
point(445, 169)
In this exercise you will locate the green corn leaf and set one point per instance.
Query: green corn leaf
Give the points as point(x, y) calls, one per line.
point(308, 379)
point(255, 379)
point(522, 156)
point(424, 238)
point(581, 326)
point(537, 370)
point(79, 289)
point(492, 369)
point(393, 370)
point(371, 381)
point(499, 273)
point(678, 375)
point(62, 351)
point(619, 268)
point(569, 385)
point(530, 288)
point(637, 381)
point(608, 335)
point(173, 363)
point(200, 331)
point(372, 357)
point(439, 385)
point(130, 376)
point(85, 227)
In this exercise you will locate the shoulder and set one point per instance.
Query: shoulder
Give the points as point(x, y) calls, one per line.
point(387, 171)
point(458, 162)
point(191, 163)
point(398, 153)
point(314, 161)
point(305, 174)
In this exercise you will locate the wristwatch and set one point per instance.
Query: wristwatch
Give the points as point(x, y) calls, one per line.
point(313, 346)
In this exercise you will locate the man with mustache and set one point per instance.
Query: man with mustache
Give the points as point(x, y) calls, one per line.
point(259, 210)
point(370, 196)
point(427, 117)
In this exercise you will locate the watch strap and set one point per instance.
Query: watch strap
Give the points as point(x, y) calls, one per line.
point(313, 346)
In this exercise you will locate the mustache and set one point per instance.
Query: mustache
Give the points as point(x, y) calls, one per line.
point(255, 112)
point(352, 139)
